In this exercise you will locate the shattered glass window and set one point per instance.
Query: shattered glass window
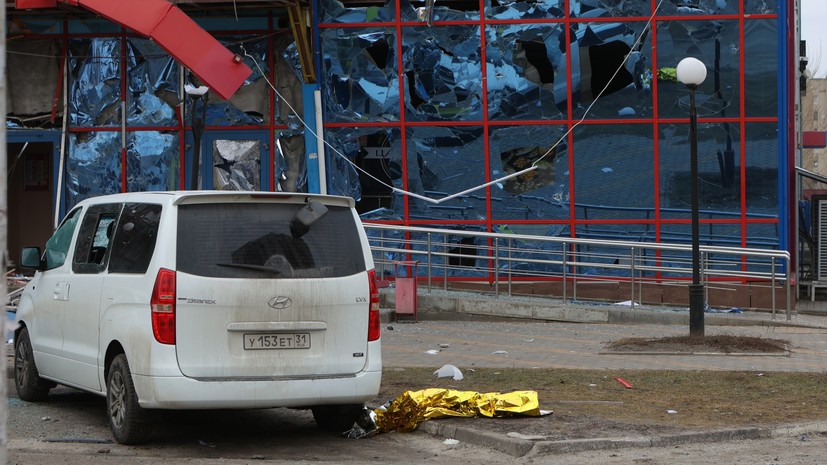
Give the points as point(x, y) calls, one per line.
point(342, 148)
point(700, 7)
point(334, 11)
point(760, 7)
point(377, 151)
point(511, 9)
point(716, 45)
point(602, 8)
point(535, 195)
point(442, 68)
point(443, 161)
point(289, 82)
point(290, 163)
point(236, 164)
point(526, 71)
point(359, 75)
point(760, 68)
point(611, 60)
point(152, 86)
point(250, 105)
point(152, 161)
point(95, 82)
point(93, 166)
point(613, 166)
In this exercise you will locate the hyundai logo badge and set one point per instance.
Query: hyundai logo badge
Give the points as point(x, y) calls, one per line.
point(280, 302)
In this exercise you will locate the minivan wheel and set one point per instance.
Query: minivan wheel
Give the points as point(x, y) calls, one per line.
point(30, 386)
point(336, 418)
point(129, 422)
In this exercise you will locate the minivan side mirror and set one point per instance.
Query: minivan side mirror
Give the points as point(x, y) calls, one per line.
point(30, 258)
point(305, 217)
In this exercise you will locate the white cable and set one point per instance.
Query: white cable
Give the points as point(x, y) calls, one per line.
point(481, 186)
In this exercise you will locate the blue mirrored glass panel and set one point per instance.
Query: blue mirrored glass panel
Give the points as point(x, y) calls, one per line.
point(715, 43)
point(510, 9)
point(334, 11)
point(598, 9)
point(761, 7)
point(153, 80)
point(761, 68)
point(763, 236)
point(359, 74)
point(539, 194)
point(444, 161)
point(526, 72)
point(95, 82)
point(290, 163)
point(93, 166)
point(443, 69)
point(613, 166)
point(719, 171)
point(699, 7)
point(762, 169)
point(152, 161)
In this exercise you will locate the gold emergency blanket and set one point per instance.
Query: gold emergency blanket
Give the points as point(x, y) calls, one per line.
point(414, 407)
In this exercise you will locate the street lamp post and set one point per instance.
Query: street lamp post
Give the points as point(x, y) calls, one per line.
point(692, 72)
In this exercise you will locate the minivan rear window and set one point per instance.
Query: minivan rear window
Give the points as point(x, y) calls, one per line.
point(254, 241)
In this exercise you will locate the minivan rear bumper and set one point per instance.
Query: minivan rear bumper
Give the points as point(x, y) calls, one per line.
point(187, 393)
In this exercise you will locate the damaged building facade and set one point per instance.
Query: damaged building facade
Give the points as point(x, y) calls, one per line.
point(430, 98)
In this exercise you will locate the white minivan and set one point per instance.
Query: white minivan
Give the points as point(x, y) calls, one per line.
point(203, 300)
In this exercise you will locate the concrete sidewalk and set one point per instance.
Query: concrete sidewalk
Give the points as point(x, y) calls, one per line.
point(551, 334)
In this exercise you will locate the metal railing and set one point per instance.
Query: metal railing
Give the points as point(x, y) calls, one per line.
point(451, 257)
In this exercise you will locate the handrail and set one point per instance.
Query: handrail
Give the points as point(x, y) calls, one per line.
point(500, 258)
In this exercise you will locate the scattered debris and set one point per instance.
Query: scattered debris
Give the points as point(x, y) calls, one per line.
point(625, 383)
point(449, 371)
point(499, 352)
point(432, 352)
point(450, 442)
point(671, 412)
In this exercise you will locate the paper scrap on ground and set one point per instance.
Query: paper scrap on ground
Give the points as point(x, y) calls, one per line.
point(449, 371)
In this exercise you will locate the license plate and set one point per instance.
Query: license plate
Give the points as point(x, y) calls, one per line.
point(277, 341)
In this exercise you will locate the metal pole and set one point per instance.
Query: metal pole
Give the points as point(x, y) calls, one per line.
point(429, 263)
point(632, 278)
point(696, 289)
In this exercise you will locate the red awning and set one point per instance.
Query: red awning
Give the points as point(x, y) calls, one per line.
point(815, 139)
point(175, 32)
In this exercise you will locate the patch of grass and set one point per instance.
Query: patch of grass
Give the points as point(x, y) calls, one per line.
point(591, 401)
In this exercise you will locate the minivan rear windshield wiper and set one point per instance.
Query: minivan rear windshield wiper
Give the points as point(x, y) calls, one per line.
point(251, 267)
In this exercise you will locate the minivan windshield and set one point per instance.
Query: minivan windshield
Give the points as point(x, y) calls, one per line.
point(253, 240)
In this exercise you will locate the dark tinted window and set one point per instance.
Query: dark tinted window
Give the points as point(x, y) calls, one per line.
point(254, 241)
point(135, 236)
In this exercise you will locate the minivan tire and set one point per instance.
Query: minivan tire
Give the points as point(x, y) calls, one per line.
point(336, 418)
point(30, 386)
point(129, 422)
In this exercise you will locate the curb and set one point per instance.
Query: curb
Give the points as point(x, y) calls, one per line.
point(529, 448)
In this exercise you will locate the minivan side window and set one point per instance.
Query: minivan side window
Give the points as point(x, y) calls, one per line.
point(135, 237)
point(94, 238)
point(57, 247)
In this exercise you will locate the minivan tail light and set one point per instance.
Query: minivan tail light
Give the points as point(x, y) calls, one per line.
point(373, 316)
point(163, 307)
